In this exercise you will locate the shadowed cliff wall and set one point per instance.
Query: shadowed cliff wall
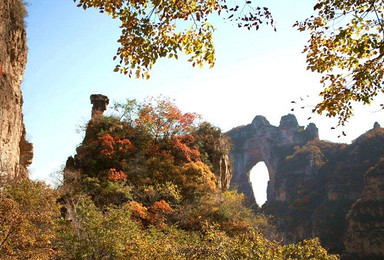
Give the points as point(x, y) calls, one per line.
point(317, 188)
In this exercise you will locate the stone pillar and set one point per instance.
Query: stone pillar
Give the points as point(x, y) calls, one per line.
point(100, 103)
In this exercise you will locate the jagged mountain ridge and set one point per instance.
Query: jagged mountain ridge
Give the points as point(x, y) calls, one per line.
point(314, 183)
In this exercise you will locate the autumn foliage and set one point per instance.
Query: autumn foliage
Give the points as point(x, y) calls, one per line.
point(28, 211)
point(145, 145)
point(154, 29)
point(152, 215)
point(141, 186)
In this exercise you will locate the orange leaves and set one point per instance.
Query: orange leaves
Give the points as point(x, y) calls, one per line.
point(152, 145)
point(183, 147)
point(138, 210)
point(116, 175)
point(349, 57)
point(106, 156)
point(162, 118)
point(154, 150)
point(187, 119)
point(152, 215)
point(107, 144)
point(124, 145)
point(161, 207)
point(111, 145)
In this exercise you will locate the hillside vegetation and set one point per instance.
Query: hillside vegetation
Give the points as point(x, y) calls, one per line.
point(141, 186)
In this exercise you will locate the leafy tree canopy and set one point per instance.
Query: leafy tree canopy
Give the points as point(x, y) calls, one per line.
point(28, 212)
point(138, 188)
point(346, 46)
point(151, 29)
point(151, 146)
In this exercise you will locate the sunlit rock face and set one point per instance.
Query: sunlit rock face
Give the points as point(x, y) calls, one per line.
point(15, 152)
point(222, 169)
point(261, 141)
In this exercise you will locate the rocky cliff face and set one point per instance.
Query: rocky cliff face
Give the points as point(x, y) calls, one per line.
point(313, 184)
point(365, 232)
point(321, 182)
point(221, 164)
point(261, 141)
point(15, 151)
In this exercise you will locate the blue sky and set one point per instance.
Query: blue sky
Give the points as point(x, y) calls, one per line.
point(256, 73)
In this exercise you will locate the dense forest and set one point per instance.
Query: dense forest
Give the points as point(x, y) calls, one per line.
point(147, 181)
point(141, 186)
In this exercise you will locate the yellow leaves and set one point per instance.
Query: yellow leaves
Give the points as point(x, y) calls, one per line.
point(308, 249)
point(197, 177)
point(150, 30)
point(138, 73)
point(146, 76)
point(354, 49)
point(27, 213)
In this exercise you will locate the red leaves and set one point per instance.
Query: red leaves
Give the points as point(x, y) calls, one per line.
point(183, 147)
point(124, 145)
point(115, 175)
point(111, 145)
point(162, 118)
point(107, 144)
point(154, 150)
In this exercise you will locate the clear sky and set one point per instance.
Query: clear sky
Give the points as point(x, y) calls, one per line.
point(256, 73)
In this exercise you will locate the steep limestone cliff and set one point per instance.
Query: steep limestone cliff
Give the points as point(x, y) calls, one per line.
point(313, 183)
point(321, 181)
point(261, 141)
point(15, 152)
point(365, 232)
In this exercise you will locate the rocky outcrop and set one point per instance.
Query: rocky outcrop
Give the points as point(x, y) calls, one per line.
point(223, 171)
point(100, 103)
point(15, 152)
point(313, 183)
point(221, 164)
point(261, 141)
point(365, 232)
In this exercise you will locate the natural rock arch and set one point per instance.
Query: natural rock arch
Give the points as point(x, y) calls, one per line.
point(261, 141)
point(259, 178)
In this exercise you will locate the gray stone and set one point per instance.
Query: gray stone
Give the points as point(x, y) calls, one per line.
point(261, 141)
point(100, 103)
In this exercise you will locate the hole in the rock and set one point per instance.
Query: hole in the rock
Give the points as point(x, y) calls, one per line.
point(259, 178)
